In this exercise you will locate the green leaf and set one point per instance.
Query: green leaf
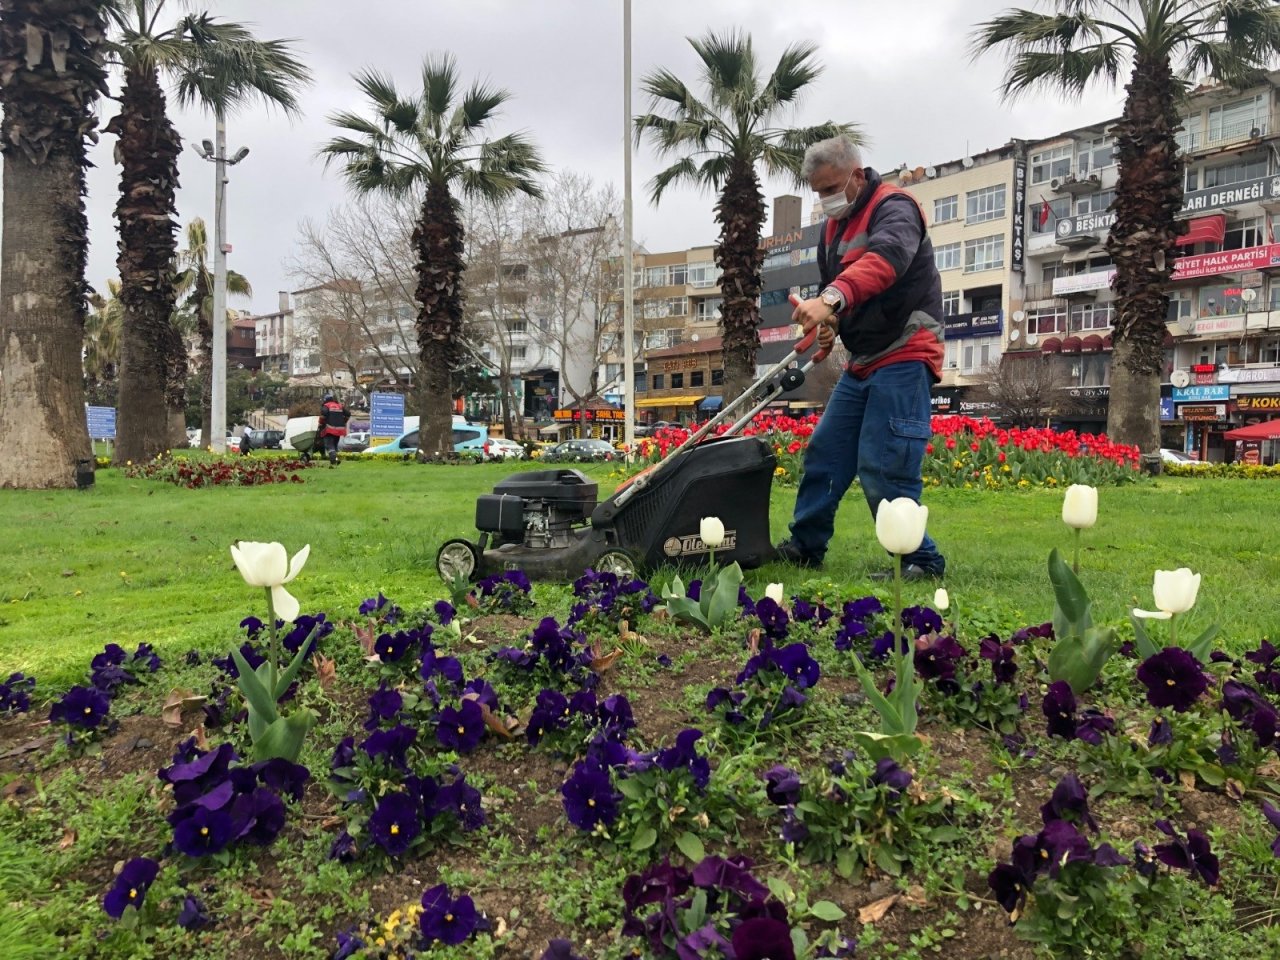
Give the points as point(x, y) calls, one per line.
point(780, 889)
point(630, 789)
point(284, 736)
point(725, 599)
point(1200, 646)
point(826, 910)
point(691, 847)
point(1069, 592)
point(897, 746)
point(906, 692)
point(1079, 660)
point(254, 690)
point(645, 838)
point(887, 862)
point(945, 835)
point(1212, 774)
point(291, 671)
point(890, 722)
point(846, 862)
point(1141, 639)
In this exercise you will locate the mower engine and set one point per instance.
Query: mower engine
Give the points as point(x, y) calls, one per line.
point(539, 509)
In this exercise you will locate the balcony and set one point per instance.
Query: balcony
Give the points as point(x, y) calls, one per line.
point(1218, 135)
point(1035, 292)
point(1077, 185)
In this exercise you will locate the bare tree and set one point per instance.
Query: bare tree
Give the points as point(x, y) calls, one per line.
point(1026, 388)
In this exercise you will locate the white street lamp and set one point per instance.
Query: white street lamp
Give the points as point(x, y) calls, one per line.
point(217, 155)
point(628, 278)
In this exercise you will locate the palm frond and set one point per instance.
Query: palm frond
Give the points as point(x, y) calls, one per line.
point(227, 68)
point(796, 69)
point(800, 138)
point(1069, 71)
point(439, 85)
point(682, 171)
point(1028, 30)
point(1235, 42)
point(729, 68)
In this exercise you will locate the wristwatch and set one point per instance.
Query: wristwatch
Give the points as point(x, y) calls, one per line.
point(833, 300)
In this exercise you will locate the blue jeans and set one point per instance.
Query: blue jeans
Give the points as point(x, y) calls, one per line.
point(875, 429)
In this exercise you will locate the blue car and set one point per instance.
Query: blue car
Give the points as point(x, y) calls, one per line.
point(468, 438)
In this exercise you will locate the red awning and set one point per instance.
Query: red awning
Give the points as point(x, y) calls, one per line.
point(1107, 342)
point(1204, 230)
point(1267, 430)
point(1091, 344)
point(1051, 345)
point(1071, 345)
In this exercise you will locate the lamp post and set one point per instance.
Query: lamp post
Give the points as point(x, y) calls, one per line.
point(628, 277)
point(217, 155)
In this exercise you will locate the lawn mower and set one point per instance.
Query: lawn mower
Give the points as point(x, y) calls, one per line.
point(550, 525)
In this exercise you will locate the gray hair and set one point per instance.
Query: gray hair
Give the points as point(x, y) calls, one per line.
point(839, 152)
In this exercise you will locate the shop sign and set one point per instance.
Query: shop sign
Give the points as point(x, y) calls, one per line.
point(1219, 325)
point(1201, 394)
point(1210, 411)
point(1249, 375)
point(1087, 224)
point(1214, 198)
point(1081, 282)
point(779, 334)
point(1228, 261)
point(973, 324)
point(1259, 403)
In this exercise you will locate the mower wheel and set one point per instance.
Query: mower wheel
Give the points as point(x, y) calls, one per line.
point(617, 562)
point(457, 558)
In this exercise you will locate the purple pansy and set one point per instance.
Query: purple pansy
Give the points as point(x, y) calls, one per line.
point(445, 919)
point(395, 823)
point(461, 728)
point(1173, 678)
point(130, 886)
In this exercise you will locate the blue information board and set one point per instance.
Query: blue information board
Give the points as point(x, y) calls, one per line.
point(102, 422)
point(386, 414)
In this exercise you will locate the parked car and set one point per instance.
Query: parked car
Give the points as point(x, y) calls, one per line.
point(467, 438)
point(233, 443)
point(580, 451)
point(265, 439)
point(1178, 457)
point(500, 448)
point(354, 442)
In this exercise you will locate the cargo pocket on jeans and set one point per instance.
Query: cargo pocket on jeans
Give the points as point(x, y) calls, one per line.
point(907, 439)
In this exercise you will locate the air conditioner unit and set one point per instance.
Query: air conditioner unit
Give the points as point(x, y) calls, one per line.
point(1093, 178)
point(1054, 184)
point(1255, 133)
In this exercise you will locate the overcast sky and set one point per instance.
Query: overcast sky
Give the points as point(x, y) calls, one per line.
point(900, 69)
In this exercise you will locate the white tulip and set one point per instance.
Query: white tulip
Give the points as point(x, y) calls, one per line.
point(940, 599)
point(1175, 590)
point(774, 592)
point(1151, 614)
point(711, 530)
point(900, 525)
point(268, 565)
point(1080, 506)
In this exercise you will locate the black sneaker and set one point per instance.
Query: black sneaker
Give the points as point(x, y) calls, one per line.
point(788, 551)
point(910, 574)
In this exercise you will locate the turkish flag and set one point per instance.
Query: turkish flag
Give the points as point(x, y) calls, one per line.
point(1045, 213)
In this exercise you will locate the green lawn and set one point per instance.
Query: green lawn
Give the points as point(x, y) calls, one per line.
point(133, 560)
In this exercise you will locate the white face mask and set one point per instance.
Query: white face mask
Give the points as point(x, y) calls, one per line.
point(837, 205)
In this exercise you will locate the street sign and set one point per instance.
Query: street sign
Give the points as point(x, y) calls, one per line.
point(386, 414)
point(102, 422)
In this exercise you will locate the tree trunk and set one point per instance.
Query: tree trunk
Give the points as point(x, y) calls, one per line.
point(740, 211)
point(148, 148)
point(504, 386)
point(438, 238)
point(204, 327)
point(1143, 244)
point(49, 90)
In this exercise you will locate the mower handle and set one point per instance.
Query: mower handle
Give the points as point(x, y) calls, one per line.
point(807, 340)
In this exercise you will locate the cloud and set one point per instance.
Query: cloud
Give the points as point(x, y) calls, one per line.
point(901, 70)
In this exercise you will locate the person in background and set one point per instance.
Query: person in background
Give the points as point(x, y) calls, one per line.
point(333, 426)
point(882, 296)
point(245, 445)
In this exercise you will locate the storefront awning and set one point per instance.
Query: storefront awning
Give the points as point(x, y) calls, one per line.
point(711, 403)
point(1107, 343)
point(1091, 344)
point(553, 428)
point(1050, 345)
point(1204, 230)
point(682, 400)
point(1071, 345)
point(1088, 253)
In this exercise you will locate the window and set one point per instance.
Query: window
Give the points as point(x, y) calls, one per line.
point(707, 309)
point(947, 256)
point(612, 371)
point(1092, 316)
point(1047, 320)
point(519, 353)
point(639, 380)
point(985, 204)
point(1059, 207)
point(703, 274)
point(1052, 164)
point(717, 378)
point(1233, 121)
point(677, 381)
point(678, 275)
point(950, 303)
point(951, 354)
point(462, 436)
point(666, 307)
point(1221, 300)
point(977, 353)
point(1095, 202)
point(774, 298)
point(519, 326)
point(659, 381)
point(984, 254)
point(696, 378)
point(1245, 233)
point(947, 208)
point(1094, 155)
point(1094, 369)
point(1180, 306)
point(1237, 172)
point(1270, 352)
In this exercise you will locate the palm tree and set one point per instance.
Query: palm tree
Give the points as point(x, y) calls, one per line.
point(102, 339)
point(434, 145)
point(195, 283)
point(212, 64)
point(721, 141)
point(51, 59)
point(1160, 44)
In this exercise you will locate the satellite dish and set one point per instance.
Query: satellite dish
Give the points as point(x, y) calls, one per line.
point(1180, 378)
point(1032, 339)
point(1013, 335)
point(930, 172)
point(1019, 316)
point(967, 162)
point(694, 337)
point(918, 173)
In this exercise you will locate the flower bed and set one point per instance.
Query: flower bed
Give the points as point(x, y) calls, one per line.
point(197, 471)
point(964, 452)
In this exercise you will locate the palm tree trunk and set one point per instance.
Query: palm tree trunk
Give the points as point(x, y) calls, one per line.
point(48, 112)
point(740, 211)
point(148, 149)
point(438, 239)
point(204, 327)
point(1143, 243)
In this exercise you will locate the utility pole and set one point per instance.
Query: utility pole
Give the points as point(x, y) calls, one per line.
point(628, 270)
